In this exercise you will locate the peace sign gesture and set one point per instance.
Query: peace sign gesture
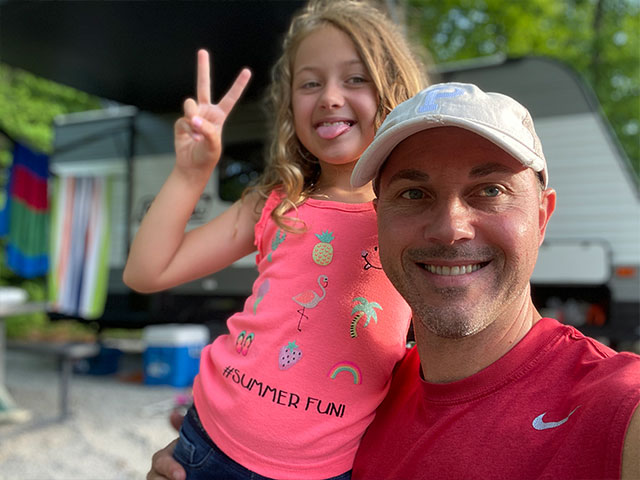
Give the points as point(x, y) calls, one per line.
point(198, 134)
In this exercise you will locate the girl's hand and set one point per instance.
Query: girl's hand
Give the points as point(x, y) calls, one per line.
point(198, 134)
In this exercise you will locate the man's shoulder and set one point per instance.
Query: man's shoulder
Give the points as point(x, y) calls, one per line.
point(576, 341)
point(592, 362)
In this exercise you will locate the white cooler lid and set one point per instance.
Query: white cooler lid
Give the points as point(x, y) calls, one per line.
point(175, 334)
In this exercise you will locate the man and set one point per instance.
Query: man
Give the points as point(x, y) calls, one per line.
point(492, 390)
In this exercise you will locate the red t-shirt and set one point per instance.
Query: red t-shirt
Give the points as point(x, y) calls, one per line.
point(556, 406)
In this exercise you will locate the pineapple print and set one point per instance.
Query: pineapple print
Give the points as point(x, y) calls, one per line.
point(323, 251)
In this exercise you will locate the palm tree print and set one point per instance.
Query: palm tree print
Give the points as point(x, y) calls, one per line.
point(364, 308)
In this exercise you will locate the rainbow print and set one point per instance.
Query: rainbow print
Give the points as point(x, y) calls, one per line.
point(348, 367)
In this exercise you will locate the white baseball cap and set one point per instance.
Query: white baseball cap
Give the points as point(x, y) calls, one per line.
point(494, 116)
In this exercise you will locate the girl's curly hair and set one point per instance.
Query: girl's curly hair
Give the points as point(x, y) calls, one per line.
point(396, 70)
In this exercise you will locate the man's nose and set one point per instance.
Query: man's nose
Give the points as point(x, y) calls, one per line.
point(332, 96)
point(452, 221)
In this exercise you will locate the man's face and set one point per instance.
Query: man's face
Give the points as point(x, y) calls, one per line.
point(460, 222)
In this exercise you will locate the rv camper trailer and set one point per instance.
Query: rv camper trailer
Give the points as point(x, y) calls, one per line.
point(587, 272)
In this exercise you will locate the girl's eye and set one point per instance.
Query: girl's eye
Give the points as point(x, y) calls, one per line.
point(310, 84)
point(412, 194)
point(491, 191)
point(357, 79)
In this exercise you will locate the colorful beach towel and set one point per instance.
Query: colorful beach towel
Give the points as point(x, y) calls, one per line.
point(80, 232)
point(25, 217)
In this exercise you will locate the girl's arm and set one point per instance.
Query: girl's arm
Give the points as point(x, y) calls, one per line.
point(158, 261)
point(162, 254)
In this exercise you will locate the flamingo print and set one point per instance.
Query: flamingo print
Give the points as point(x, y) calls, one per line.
point(310, 298)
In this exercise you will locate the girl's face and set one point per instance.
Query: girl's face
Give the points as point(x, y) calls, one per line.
point(333, 98)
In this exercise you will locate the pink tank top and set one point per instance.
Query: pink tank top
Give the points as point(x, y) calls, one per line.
point(289, 392)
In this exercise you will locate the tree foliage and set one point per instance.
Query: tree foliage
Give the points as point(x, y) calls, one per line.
point(29, 104)
point(599, 38)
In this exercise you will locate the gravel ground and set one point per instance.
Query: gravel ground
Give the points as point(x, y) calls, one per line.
point(116, 422)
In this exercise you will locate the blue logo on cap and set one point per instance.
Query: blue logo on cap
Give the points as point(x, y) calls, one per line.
point(442, 91)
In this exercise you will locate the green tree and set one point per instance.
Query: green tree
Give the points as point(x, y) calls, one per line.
point(28, 105)
point(599, 38)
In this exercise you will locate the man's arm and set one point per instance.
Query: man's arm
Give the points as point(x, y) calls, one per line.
point(631, 449)
point(164, 466)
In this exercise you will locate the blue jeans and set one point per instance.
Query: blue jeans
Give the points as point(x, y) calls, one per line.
point(203, 460)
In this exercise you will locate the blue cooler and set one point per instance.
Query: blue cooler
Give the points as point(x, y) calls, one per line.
point(172, 353)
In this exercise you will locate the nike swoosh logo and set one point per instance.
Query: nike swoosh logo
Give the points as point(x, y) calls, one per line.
point(540, 424)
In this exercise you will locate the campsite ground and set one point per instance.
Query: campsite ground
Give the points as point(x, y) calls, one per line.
point(116, 422)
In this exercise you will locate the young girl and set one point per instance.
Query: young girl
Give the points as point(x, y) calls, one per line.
point(290, 390)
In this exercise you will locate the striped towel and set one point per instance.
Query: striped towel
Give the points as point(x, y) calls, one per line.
point(26, 215)
point(80, 230)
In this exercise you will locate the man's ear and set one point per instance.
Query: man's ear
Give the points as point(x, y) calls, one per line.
point(546, 209)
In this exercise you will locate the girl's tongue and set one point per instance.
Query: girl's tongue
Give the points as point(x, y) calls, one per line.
point(327, 131)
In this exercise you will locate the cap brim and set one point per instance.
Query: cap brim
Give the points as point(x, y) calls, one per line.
point(376, 154)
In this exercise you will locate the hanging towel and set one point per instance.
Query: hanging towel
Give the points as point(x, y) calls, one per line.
point(26, 213)
point(80, 232)
point(4, 210)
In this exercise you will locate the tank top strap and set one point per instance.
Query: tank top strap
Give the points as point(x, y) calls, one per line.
point(272, 202)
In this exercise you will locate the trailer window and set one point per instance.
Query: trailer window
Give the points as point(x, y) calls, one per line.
point(240, 165)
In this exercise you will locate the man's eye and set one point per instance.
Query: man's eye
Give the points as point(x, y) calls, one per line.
point(491, 191)
point(413, 194)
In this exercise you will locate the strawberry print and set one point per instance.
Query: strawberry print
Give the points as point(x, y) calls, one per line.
point(290, 354)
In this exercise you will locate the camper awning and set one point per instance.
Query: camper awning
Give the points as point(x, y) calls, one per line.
point(143, 52)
